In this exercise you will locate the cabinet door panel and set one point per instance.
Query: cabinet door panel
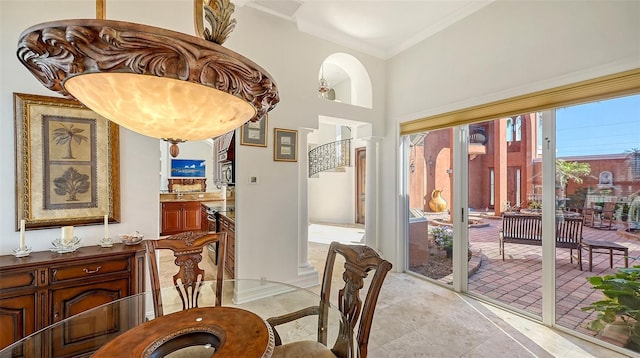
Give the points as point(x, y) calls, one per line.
point(17, 318)
point(72, 340)
point(171, 218)
point(73, 300)
point(192, 217)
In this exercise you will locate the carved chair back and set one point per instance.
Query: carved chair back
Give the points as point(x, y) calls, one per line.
point(187, 249)
point(359, 261)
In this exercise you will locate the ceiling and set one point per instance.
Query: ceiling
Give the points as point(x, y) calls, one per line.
point(379, 28)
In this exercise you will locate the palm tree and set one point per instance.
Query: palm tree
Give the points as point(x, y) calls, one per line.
point(634, 158)
point(66, 135)
point(573, 171)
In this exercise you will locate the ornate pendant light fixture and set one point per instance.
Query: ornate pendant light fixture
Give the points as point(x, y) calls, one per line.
point(156, 82)
point(323, 85)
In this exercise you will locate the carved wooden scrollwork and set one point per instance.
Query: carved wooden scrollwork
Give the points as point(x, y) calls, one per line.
point(189, 237)
point(57, 51)
point(357, 268)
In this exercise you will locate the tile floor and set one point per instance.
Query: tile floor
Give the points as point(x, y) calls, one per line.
point(416, 318)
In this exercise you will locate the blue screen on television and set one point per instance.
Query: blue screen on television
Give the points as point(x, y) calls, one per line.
point(191, 168)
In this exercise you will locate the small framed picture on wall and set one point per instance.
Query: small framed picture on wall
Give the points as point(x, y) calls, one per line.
point(285, 145)
point(255, 133)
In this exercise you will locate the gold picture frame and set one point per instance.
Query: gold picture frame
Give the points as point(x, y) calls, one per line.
point(285, 145)
point(255, 133)
point(67, 163)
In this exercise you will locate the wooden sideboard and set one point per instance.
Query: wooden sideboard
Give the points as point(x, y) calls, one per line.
point(45, 287)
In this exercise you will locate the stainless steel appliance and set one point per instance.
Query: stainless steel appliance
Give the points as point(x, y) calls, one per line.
point(212, 219)
point(227, 175)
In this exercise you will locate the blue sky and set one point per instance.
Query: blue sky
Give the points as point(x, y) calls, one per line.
point(603, 127)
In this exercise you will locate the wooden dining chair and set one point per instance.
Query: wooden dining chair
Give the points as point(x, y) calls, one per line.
point(359, 261)
point(187, 249)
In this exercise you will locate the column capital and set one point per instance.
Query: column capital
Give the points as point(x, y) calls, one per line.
point(373, 139)
point(305, 130)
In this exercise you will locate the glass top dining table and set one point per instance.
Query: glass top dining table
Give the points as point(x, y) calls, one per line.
point(232, 329)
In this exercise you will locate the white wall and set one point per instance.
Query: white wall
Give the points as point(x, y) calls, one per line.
point(200, 150)
point(331, 194)
point(139, 160)
point(267, 213)
point(506, 49)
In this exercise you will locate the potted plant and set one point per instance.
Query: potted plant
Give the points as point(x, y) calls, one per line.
point(535, 205)
point(621, 304)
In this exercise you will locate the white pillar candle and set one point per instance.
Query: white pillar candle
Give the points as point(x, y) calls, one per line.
point(67, 234)
point(106, 226)
point(23, 243)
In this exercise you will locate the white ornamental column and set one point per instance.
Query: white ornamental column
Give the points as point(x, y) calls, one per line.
point(307, 274)
point(371, 193)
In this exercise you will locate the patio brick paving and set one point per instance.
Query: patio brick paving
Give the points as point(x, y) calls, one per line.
point(517, 281)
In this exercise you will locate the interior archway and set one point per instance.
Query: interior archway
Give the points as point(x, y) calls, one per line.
point(348, 80)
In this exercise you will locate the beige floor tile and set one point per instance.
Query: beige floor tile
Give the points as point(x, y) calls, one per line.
point(416, 318)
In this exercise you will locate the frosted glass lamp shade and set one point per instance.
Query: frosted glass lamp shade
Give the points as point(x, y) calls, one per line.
point(161, 107)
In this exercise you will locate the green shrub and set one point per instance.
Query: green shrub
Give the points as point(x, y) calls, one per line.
point(622, 300)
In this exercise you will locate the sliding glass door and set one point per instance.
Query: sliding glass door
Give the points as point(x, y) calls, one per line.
point(597, 179)
point(505, 186)
point(430, 163)
point(549, 199)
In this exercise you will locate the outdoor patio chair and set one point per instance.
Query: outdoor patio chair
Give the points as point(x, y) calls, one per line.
point(605, 218)
point(589, 213)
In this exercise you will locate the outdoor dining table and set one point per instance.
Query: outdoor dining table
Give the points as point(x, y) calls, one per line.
point(128, 327)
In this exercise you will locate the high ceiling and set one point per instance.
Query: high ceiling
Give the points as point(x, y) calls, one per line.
point(379, 28)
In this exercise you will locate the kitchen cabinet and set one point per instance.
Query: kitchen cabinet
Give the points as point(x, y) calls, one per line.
point(180, 216)
point(204, 223)
point(227, 225)
point(44, 288)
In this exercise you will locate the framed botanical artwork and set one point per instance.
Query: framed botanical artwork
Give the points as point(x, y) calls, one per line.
point(255, 133)
point(285, 145)
point(67, 163)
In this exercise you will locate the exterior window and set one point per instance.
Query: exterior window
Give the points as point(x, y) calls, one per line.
point(539, 135)
point(518, 197)
point(518, 128)
point(514, 129)
point(492, 187)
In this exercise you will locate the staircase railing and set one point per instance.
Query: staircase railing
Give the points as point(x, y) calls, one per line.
point(330, 156)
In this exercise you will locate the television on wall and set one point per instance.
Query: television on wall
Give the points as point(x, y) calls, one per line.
point(188, 168)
